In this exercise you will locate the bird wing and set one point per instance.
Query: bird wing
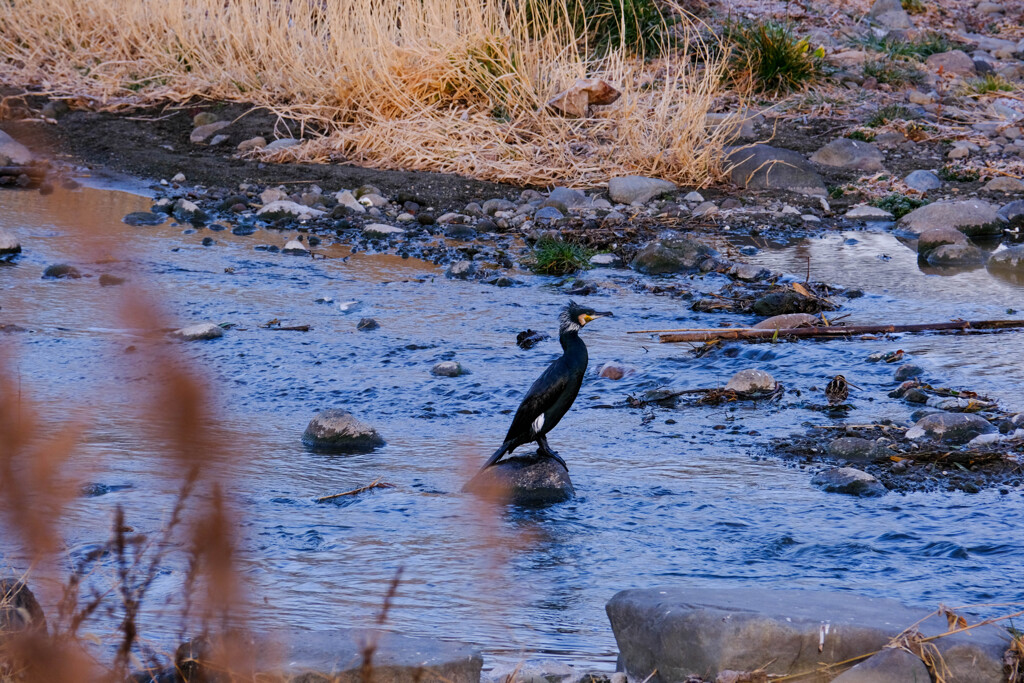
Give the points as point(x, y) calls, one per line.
point(542, 395)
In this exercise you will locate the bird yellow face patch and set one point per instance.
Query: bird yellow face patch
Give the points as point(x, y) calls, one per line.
point(585, 318)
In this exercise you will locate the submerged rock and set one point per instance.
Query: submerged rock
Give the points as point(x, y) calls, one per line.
point(338, 431)
point(198, 332)
point(295, 248)
point(448, 368)
point(1010, 259)
point(671, 253)
point(524, 480)
point(933, 238)
point(848, 480)
point(956, 255)
point(139, 218)
point(668, 632)
point(751, 380)
point(61, 271)
point(951, 428)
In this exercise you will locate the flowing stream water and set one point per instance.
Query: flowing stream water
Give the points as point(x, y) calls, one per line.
point(665, 496)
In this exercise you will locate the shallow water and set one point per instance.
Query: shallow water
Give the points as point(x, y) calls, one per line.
point(664, 496)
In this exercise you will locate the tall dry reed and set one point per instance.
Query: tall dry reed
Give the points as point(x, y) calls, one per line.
point(443, 85)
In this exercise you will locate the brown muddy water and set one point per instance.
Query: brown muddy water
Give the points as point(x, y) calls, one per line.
point(665, 496)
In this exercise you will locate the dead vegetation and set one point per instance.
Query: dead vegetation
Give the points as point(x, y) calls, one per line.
point(445, 85)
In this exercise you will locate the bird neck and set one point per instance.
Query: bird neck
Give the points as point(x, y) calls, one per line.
point(571, 343)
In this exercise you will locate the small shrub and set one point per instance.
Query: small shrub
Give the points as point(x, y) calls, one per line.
point(898, 205)
point(989, 83)
point(556, 257)
point(767, 56)
point(893, 72)
point(951, 172)
point(891, 112)
point(913, 6)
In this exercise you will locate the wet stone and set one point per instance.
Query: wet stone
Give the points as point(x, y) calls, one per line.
point(951, 255)
point(524, 480)
point(199, 332)
point(20, 612)
point(140, 218)
point(905, 372)
point(762, 167)
point(1009, 259)
point(971, 217)
point(850, 481)
point(9, 244)
point(751, 380)
point(951, 428)
point(461, 270)
point(637, 189)
point(672, 253)
point(1013, 213)
point(61, 271)
point(932, 238)
point(852, 448)
point(108, 280)
point(295, 248)
point(338, 431)
point(527, 339)
point(367, 324)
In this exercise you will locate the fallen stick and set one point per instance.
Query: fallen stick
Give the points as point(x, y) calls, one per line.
point(749, 333)
point(375, 484)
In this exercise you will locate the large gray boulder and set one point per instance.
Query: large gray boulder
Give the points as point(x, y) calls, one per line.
point(337, 655)
point(850, 154)
point(13, 152)
point(669, 633)
point(763, 167)
point(1013, 213)
point(970, 216)
point(950, 428)
point(532, 480)
point(891, 665)
point(671, 253)
point(338, 431)
point(637, 189)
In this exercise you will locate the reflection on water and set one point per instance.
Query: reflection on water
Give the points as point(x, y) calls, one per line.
point(670, 496)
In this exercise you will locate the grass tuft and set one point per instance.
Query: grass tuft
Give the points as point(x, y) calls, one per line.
point(769, 58)
point(557, 257)
point(918, 48)
point(889, 113)
point(893, 72)
point(957, 174)
point(898, 205)
point(637, 27)
point(989, 83)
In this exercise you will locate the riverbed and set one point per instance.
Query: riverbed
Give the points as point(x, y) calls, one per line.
point(665, 496)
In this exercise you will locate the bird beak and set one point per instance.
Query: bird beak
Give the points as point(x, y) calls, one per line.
point(851, 384)
point(587, 317)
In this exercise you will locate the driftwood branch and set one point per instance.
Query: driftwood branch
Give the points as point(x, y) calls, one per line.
point(826, 332)
point(375, 484)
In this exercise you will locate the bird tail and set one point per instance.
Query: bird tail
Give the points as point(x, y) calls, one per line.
point(497, 455)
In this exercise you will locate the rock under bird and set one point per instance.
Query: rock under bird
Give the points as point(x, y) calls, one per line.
point(551, 396)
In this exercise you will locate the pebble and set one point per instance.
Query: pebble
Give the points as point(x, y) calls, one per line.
point(258, 142)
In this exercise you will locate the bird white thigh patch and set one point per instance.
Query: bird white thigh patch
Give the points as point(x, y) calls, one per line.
point(538, 424)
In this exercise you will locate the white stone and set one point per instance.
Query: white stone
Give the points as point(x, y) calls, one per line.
point(865, 212)
point(273, 194)
point(178, 178)
point(15, 152)
point(295, 247)
point(290, 207)
point(198, 332)
point(695, 197)
point(382, 230)
point(349, 201)
point(283, 143)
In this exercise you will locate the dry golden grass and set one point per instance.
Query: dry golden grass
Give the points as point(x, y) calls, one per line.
point(444, 85)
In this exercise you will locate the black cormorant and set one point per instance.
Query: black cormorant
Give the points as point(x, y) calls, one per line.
point(550, 397)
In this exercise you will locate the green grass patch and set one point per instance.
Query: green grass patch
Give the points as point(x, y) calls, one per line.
point(771, 58)
point(861, 135)
point(989, 83)
point(557, 257)
point(956, 174)
point(891, 112)
point(919, 48)
point(637, 26)
point(898, 205)
point(892, 72)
